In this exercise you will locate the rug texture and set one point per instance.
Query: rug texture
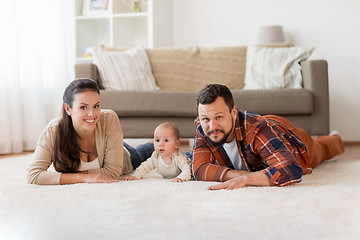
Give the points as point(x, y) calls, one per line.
point(325, 205)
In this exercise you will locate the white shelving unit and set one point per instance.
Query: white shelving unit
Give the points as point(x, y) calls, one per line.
point(121, 26)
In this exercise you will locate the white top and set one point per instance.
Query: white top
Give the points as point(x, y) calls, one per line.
point(94, 164)
point(179, 167)
point(233, 152)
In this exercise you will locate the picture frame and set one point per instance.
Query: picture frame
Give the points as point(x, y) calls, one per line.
point(93, 7)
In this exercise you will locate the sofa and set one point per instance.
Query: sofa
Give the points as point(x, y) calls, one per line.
point(181, 72)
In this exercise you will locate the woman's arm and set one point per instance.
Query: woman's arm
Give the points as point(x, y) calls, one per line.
point(71, 178)
point(37, 172)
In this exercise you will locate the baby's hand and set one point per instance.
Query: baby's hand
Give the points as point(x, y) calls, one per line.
point(130, 178)
point(176, 180)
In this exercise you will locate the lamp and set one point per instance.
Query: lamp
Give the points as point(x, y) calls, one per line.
point(270, 35)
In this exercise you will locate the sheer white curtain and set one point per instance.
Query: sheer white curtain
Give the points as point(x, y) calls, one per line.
point(36, 64)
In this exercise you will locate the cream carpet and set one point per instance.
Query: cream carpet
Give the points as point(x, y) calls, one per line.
point(326, 205)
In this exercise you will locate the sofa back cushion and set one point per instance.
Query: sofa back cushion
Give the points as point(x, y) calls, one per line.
point(191, 68)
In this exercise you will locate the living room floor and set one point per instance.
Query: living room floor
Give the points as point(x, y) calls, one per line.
point(325, 204)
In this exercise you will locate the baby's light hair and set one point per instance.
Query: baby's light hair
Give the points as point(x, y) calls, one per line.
point(173, 126)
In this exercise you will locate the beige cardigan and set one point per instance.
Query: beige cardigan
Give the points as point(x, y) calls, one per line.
point(114, 160)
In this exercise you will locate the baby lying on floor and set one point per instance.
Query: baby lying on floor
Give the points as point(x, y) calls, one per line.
point(168, 161)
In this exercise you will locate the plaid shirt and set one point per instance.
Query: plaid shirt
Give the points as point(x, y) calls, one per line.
point(264, 145)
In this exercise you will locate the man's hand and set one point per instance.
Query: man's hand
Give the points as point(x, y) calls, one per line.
point(253, 179)
point(237, 182)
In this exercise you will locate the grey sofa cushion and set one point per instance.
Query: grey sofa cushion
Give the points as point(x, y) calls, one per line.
point(183, 104)
point(275, 101)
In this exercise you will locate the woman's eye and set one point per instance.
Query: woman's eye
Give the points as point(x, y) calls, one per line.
point(97, 106)
point(83, 107)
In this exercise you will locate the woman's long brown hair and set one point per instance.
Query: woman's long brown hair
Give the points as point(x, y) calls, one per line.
point(67, 150)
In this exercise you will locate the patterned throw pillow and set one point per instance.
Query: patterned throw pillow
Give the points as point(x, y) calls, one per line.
point(124, 70)
point(269, 68)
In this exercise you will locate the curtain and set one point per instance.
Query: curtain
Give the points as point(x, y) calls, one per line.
point(36, 64)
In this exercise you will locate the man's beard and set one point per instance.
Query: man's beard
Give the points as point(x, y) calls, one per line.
point(223, 140)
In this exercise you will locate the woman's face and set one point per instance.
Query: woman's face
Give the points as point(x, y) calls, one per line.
point(85, 111)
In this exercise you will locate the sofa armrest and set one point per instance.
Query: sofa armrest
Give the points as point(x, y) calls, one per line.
point(87, 70)
point(315, 78)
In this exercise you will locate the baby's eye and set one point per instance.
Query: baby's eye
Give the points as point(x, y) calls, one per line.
point(157, 140)
point(166, 140)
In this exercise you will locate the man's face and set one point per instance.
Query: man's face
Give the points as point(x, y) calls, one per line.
point(217, 121)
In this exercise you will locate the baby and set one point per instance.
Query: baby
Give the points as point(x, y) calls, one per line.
point(168, 161)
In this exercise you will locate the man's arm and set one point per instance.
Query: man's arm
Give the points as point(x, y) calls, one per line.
point(282, 169)
point(202, 165)
point(276, 152)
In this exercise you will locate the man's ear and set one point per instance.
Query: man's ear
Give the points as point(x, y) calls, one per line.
point(234, 111)
point(67, 109)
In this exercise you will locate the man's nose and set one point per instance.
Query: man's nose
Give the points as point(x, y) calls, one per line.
point(213, 125)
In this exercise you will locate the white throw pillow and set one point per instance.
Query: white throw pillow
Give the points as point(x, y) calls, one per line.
point(269, 68)
point(127, 70)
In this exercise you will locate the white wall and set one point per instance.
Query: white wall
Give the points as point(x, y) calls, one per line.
point(332, 26)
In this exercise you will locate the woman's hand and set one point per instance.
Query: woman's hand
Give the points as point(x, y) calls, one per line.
point(130, 178)
point(98, 178)
point(176, 180)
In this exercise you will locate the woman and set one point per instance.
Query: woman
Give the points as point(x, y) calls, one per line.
point(86, 144)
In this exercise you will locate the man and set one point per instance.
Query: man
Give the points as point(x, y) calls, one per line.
point(241, 148)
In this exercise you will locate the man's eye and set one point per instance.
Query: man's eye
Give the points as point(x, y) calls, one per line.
point(205, 119)
point(218, 117)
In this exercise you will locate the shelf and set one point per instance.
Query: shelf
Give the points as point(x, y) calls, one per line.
point(90, 17)
point(121, 26)
point(130, 15)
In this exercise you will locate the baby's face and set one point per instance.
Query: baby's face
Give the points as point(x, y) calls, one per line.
point(165, 142)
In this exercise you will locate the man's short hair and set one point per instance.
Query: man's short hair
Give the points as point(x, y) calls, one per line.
point(211, 92)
